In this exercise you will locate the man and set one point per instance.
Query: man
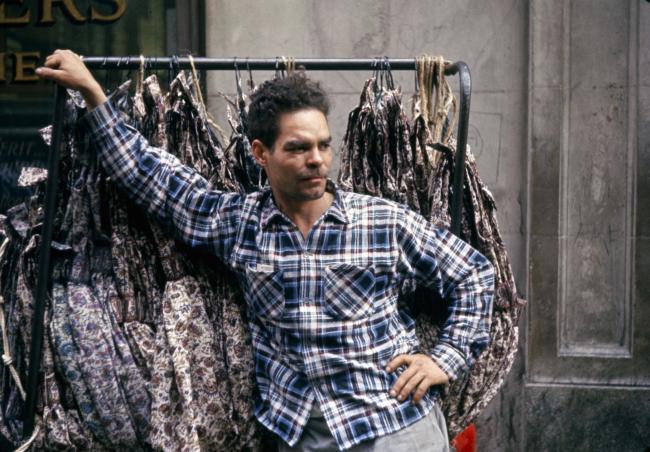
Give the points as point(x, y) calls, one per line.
point(337, 363)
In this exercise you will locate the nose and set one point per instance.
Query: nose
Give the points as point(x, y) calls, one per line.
point(314, 157)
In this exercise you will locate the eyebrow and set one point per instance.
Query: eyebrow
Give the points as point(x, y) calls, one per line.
point(295, 144)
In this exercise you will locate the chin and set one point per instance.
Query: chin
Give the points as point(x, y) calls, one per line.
point(314, 195)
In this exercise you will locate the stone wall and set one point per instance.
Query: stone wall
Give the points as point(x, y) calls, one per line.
point(522, 56)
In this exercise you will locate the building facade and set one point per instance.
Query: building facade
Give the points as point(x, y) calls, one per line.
point(559, 124)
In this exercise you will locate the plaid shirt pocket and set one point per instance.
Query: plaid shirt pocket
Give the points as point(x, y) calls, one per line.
point(349, 291)
point(266, 292)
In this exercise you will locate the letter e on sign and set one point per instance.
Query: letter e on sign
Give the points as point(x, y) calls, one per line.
point(25, 66)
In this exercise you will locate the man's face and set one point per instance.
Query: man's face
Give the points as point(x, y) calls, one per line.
point(299, 163)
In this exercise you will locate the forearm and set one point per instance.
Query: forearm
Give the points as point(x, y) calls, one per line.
point(466, 332)
point(464, 278)
point(129, 161)
point(156, 180)
point(94, 96)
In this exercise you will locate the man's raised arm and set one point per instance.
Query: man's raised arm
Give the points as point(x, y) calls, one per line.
point(153, 178)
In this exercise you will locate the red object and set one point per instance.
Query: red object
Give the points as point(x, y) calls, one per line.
point(466, 440)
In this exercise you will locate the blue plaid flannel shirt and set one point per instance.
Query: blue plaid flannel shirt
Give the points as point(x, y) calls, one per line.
point(323, 309)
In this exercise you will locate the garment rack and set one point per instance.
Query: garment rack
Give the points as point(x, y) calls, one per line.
point(202, 63)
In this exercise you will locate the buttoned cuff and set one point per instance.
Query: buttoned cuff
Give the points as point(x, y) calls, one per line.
point(449, 359)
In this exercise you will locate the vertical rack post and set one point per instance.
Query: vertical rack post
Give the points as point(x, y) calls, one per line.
point(463, 126)
point(44, 263)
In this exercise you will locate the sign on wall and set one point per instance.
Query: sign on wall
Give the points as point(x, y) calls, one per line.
point(32, 29)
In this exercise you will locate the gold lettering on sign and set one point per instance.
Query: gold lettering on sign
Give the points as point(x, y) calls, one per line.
point(15, 149)
point(2, 67)
point(25, 65)
point(4, 20)
point(67, 6)
point(119, 7)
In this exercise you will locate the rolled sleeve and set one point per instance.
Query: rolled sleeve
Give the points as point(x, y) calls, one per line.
point(462, 276)
point(449, 359)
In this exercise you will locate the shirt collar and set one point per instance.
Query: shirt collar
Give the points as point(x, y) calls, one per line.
point(271, 213)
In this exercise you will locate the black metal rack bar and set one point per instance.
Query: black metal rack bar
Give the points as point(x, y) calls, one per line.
point(227, 64)
point(202, 63)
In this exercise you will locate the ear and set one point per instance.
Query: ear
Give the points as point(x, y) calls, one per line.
point(260, 152)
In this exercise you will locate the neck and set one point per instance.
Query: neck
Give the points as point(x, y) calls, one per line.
point(304, 213)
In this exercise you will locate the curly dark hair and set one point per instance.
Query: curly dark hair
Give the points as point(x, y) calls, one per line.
point(282, 95)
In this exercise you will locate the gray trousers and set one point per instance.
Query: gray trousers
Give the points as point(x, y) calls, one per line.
point(428, 434)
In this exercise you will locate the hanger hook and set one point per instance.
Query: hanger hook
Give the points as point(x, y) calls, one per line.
point(376, 68)
point(279, 73)
point(240, 93)
point(381, 73)
point(237, 72)
point(389, 74)
point(128, 67)
point(170, 70)
point(251, 84)
point(177, 65)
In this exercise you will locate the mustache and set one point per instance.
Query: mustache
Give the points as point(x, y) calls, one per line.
point(312, 174)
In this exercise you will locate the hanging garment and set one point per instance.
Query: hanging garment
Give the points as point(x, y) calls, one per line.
point(117, 387)
point(428, 168)
point(111, 288)
point(434, 116)
point(376, 157)
point(239, 151)
point(17, 259)
point(64, 428)
point(218, 302)
point(486, 377)
point(61, 428)
point(189, 399)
